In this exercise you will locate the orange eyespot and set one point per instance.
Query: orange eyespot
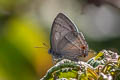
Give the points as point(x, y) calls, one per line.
point(83, 47)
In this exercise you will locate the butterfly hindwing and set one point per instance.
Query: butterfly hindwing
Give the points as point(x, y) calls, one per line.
point(70, 46)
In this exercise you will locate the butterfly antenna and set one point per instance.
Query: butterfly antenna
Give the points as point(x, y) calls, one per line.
point(45, 45)
point(41, 47)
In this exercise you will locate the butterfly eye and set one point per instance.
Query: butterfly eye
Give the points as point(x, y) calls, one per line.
point(83, 47)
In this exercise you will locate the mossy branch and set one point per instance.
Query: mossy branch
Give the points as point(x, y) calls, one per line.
point(104, 66)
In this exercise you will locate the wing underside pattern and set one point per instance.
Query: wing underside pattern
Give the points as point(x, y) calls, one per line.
point(66, 41)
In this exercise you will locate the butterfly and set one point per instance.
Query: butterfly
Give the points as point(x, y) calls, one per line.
point(66, 41)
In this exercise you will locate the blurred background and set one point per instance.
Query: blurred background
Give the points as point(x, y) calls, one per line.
point(26, 24)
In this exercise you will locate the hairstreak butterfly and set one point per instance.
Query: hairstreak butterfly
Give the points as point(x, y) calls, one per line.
point(65, 39)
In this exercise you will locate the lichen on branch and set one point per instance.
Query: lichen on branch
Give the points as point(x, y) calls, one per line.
point(104, 66)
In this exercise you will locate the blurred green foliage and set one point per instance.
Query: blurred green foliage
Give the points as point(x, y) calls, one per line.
point(19, 59)
point(14, 65)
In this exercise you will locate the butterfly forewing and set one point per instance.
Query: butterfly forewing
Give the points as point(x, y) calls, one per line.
point(61, 26)
point(66, 41)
